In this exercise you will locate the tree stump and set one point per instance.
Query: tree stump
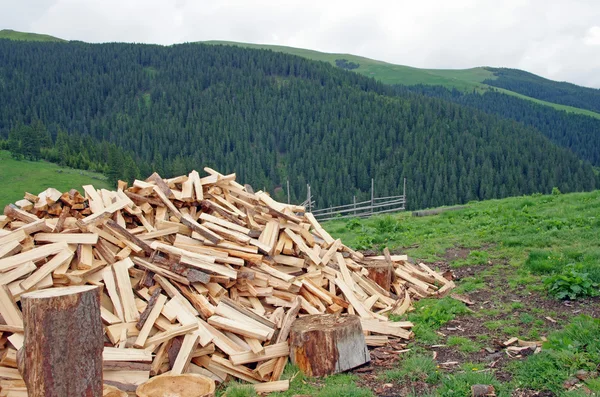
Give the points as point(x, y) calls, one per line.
point(325, 344)
point(62, 353)
point(186, 385)
point(381, 273)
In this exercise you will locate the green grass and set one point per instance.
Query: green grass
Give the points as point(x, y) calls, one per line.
point(331, 386)
point(575, 348)
point(464, 345)
point(23, 36)
point(388, 73)
point(540, 233)
point(415, 367)
point(23, 176)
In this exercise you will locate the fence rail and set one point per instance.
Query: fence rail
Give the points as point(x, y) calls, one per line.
point(374, 206)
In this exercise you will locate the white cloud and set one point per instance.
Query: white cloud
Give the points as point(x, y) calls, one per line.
point(557, 39)
point(593, 36)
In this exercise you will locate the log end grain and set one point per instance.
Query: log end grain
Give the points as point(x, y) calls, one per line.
point(111, 391)
point(186, 385)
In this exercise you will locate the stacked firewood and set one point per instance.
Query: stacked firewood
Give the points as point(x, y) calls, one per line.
point(199, 274)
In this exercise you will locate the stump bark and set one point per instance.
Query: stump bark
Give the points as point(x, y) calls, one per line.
point(62, 353)
point(381, 273)
point(325, 344)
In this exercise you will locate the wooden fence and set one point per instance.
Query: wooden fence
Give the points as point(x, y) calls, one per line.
point(374, 206)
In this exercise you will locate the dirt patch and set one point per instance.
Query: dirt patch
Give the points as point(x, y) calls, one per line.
point(496, 307)
point(455, 253)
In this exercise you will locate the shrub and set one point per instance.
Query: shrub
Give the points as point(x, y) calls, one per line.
point(570, 284)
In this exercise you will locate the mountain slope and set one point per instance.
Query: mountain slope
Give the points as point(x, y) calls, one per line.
point(578, 133)
point(271, 117)
point(480, 79)
point(540, 88)
point(23, 36)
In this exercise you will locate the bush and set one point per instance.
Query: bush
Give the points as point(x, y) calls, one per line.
point(570, 284)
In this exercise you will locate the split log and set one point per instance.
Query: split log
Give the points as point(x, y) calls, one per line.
point(187, 385)
point(327, 344)
point(62, 353)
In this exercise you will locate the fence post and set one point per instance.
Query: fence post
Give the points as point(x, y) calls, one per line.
point(372, 195)
point(404, 194)
point(309, 197)
point(354, 200)
point(288, 190)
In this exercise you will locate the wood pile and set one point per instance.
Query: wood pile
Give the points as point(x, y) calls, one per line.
point(199, 275)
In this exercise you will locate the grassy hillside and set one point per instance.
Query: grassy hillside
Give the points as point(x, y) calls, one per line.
point(23, 36)
point(19, 177)
point(461, 79)
point(388, 73)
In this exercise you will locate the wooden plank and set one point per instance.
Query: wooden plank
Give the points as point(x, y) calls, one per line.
point(32, 255)
point(152, 317)
point(232, 314)
point(219, 339)
point(17, 235)
point(14, 212)
point(159, 270)
point(385, 328)
point(94, 200)
point(206, 233)
point(159, 233)
point(161, 195)
point(318, 228)
point(271, 387)
point(17, 273)
point(127, 354)
point(331, 251)
point(360, 309)
point(129, 236)
point(8, 308)
point(62, 257)
point(271, 351)
point(94, 218)
point(197, 183)
point(9, 249)
point(166, 335)
point(190, 341)
point(111, 289)
point(302, 246)
point(239, 328)
point(120, 269)
point(108, 317)
point(227, 233)
point(69, 238)
point(210, 267)
point(224, 223)
point(247, 312)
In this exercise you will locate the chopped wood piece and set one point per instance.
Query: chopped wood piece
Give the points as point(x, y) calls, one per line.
point(69, 238)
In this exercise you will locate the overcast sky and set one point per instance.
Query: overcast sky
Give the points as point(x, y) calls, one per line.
point(558, 39)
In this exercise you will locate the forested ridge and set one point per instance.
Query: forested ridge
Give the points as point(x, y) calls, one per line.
point(130, 109)
point(538, 87)
point(580, 134)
